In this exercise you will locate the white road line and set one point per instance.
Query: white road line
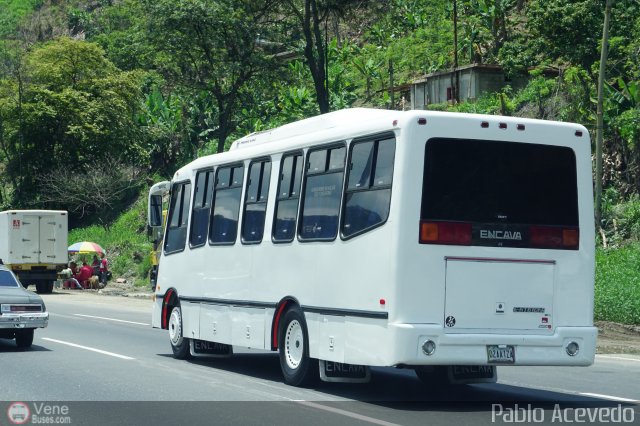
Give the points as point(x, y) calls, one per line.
point(567, 392)
point(618, 358)
point(346, 413)
point(112, 319)
point(613, 398)
point(88, 348)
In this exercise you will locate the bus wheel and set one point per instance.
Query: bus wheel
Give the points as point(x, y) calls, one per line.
point(297, 368)
point(179, 344)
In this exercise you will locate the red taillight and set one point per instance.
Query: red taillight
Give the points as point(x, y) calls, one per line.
point(454, 233)
point(551, 237)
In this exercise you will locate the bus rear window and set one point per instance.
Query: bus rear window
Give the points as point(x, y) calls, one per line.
point(504, 192)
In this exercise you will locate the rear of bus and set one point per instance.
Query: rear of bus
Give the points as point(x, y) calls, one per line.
point(498, 269)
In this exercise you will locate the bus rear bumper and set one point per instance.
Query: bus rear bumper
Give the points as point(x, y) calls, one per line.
point(475, 349)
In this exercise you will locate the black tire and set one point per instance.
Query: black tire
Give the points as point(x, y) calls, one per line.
point(179, 343)
point(41, 286)
point(293, 345)
point(24, 338)
point(49, 287)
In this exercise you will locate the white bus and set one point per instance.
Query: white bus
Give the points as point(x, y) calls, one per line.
point(447, 243)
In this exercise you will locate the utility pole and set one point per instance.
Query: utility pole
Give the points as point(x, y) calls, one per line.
point(455, 84)
point(604, 51)
point(391, 83)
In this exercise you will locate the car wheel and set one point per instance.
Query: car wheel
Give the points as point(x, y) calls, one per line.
point(297, 368)
point(24, 338)
point(179, 344)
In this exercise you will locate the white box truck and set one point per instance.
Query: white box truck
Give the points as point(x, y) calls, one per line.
point(33, 244)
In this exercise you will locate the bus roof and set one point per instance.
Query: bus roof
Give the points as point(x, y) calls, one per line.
point(320, 123)
point(332, 126)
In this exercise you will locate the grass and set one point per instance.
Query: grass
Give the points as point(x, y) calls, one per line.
point(125, 242)
point(617, 287)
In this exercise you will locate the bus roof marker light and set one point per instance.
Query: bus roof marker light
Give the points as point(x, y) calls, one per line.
point(520, 127)
point(395, 122)
point(383, 302)
point(579, 133)
point(484, 124)
point(502, 126)
point(422, 121)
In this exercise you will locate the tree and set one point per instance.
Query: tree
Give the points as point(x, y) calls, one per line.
point(566, 29)
point(311, 17)
point(72, 108)
point(108, 185)
point(212, 46)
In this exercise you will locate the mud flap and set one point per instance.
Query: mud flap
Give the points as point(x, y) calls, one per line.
point(344, 373)
point(205, 349)
point(468, 374)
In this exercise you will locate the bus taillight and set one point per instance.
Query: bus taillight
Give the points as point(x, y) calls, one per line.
point(454, 233)
point(555, 237)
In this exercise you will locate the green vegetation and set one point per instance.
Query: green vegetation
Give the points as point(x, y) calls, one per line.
point(100, 97)
point(617, 289)
point(12, 12)
point(125, 242)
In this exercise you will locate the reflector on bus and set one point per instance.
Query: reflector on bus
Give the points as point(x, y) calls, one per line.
point(458, 233)
point(554, 237)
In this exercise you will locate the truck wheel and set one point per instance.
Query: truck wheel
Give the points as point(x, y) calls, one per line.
point(293, 344)
point(179, 344)
point(24, 338)
point(44, 286)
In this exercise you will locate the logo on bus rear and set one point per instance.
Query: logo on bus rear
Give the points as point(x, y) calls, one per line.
point(450, 321)
point(488, 234)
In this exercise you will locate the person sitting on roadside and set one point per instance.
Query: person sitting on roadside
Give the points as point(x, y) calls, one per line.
point(83, 275)
point(95, 265)
point(72, 282)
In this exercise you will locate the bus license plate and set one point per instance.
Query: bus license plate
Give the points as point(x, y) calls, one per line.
point(501, 354)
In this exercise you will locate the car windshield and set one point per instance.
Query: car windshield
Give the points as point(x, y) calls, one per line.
point(7, 279)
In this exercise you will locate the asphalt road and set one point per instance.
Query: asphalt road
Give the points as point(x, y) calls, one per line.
point(100, 362)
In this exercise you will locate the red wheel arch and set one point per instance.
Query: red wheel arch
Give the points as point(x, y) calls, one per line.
point(275, 325)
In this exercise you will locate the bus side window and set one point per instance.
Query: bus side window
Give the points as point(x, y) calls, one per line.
point(323, 192)
point(368, 193)
point(286, 211)
point(226, 205)
point(255, 204)
point(201, 208)
point(176, 237)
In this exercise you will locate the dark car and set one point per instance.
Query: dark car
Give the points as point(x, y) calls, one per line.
point(21, 311)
